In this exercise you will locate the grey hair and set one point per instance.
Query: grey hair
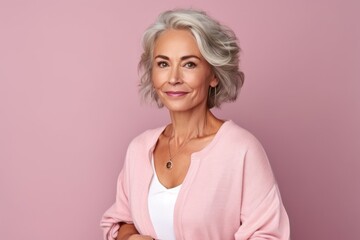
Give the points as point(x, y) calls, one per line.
point(217, 44)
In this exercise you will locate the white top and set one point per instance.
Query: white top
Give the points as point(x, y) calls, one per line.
point(161, 203)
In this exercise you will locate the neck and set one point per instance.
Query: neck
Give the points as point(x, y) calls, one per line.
point(190, 125)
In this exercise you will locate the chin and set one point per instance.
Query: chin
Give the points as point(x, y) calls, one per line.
point(177, 107)
point(173, 108)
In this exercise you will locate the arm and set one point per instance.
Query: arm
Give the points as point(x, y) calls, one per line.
point(129, 232)
point(263, 215)
point(117, 219)
point(119, 212)
point(117, 222)
point(125, 231)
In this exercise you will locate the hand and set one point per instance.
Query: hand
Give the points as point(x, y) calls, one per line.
point(139, 237)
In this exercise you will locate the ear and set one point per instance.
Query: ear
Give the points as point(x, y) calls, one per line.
point(214, 81)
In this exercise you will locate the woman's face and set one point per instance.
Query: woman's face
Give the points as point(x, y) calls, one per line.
point(180, 74)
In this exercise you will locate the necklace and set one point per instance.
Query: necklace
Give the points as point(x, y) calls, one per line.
point(169, 163)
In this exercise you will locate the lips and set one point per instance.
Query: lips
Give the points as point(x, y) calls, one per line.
point(176, 93)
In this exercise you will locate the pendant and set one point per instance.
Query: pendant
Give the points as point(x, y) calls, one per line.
point(169, 164)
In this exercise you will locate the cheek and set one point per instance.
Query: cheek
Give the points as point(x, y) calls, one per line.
point(198, 82)
point(158, 79)
point(155, 80)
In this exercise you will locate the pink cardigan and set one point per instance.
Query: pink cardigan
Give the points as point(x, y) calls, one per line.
point(229, 191)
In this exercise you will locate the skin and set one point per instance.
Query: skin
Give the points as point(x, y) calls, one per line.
point(181, 78)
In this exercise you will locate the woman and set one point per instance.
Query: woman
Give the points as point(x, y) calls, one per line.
point(199, 177)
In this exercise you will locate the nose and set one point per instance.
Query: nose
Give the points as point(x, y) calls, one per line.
point(175, 76)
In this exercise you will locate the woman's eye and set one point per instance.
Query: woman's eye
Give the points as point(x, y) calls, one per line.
point(162, 64)
point(190, 65)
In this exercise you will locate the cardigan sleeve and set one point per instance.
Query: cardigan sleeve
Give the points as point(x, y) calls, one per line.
point(120, 211)
point(263, 215)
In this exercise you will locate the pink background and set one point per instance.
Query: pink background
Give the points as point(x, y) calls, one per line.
point(69, 107)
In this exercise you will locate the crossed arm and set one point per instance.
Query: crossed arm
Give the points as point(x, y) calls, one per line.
point(129, 232)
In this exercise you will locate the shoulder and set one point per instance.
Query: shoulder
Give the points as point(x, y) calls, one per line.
point(235, 134)
point(250, 150)
point(146, 139)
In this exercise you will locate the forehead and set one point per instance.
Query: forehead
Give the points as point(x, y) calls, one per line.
point(175, 41)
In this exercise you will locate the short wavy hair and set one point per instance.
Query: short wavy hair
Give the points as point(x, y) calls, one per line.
point(217, 44)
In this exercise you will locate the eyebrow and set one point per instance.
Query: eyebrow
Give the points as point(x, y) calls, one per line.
point(182, 58)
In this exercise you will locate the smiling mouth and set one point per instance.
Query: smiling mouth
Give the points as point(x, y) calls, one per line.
point(176, 93)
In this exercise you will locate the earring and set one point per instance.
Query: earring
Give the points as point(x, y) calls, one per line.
point(212, 101)
point(215, 95)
